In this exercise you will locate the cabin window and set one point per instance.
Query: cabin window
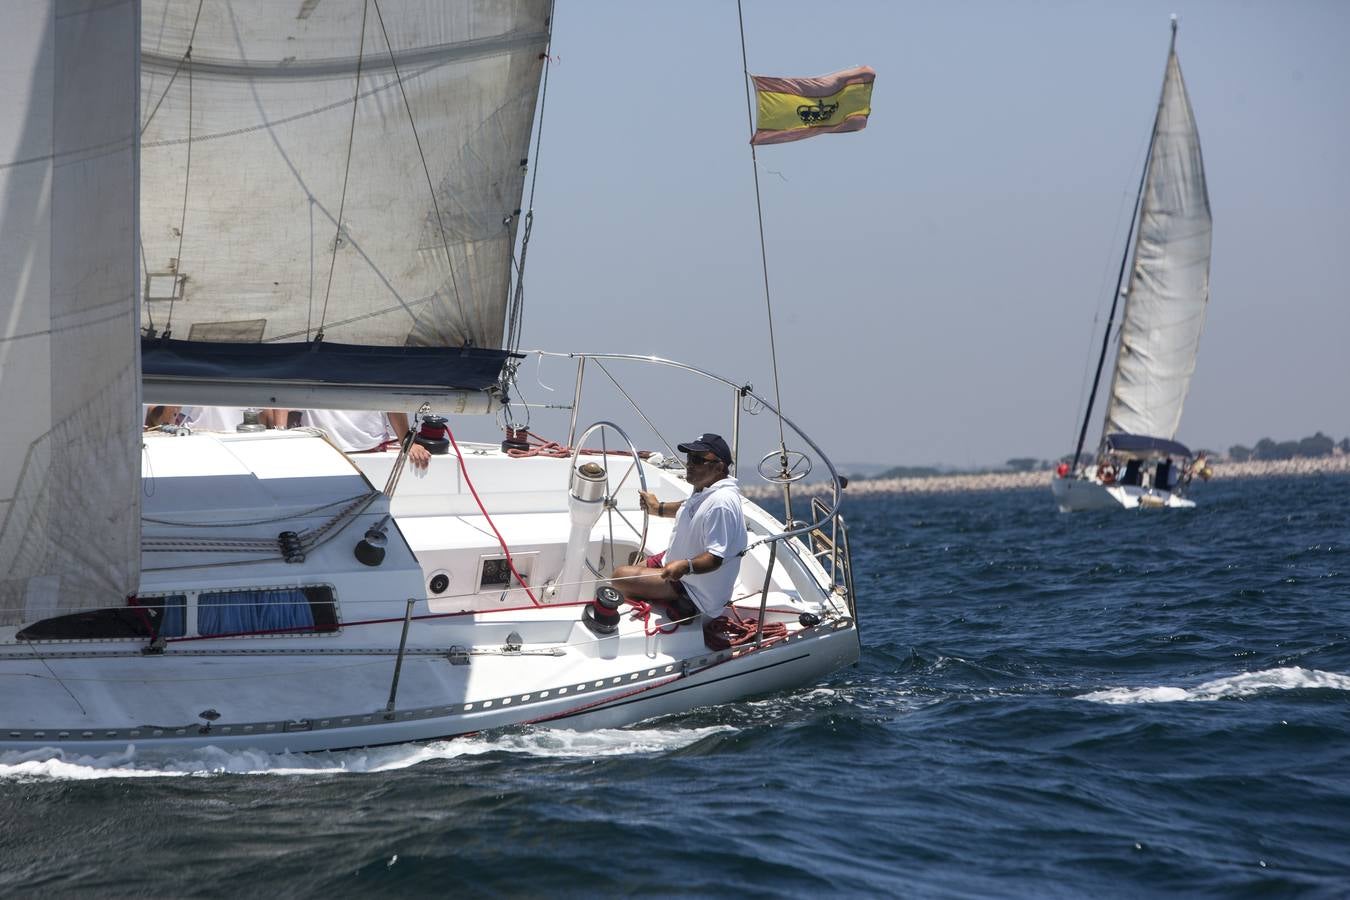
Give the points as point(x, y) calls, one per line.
point(144, 618)
point(279, 611)
point(170, 612)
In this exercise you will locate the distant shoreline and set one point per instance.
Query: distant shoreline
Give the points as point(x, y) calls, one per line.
point(1010, 481)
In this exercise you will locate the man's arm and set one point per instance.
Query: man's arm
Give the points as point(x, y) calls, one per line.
point(701, 564)
point(665, 509)
point(418, 455)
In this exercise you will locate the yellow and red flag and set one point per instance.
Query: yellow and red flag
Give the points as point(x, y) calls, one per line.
point(790, 109)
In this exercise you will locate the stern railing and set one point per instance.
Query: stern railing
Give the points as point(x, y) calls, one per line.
point(825, 536)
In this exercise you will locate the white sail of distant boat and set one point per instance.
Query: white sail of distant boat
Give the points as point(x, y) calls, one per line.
point(1159, 336)
point(328, 211)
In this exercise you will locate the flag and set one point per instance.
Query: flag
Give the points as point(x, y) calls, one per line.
point(790, 109)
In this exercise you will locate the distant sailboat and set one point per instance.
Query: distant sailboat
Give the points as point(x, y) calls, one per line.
point(1139, 463)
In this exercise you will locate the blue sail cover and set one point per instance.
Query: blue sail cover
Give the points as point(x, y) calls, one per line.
point(323, 362)
point(1143, 445)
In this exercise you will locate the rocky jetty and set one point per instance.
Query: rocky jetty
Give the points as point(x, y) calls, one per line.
point(1010, 481)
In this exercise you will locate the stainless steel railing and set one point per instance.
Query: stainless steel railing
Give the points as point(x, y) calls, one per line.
point(826, 534)
point(740, 391)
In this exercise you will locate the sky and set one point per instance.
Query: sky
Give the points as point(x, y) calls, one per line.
point(939, 281)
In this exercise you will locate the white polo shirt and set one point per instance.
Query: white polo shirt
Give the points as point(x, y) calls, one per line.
point(353, 431)
point(711, 520)
point(212, 418)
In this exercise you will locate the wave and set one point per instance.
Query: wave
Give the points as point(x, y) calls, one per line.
point(1247, 684)
point(50, 764)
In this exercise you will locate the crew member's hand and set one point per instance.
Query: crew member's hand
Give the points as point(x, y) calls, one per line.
point(675, 571)
point(419, 456)
point(647, 500)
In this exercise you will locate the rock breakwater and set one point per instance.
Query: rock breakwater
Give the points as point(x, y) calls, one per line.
point(1010, 481)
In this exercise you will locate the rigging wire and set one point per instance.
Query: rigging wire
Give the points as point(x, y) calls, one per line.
point(346, 173)
point(1111, 316)
point(145, 268)
point(185, 59)
point(1101, 294)
point(515, 314)
point(42, 659)
point(179, 280)
point(465, 333)
point(174, 77)
point(763, 252)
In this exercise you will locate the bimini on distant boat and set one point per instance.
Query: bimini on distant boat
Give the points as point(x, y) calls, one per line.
point(261, 589)
point(1139, 464)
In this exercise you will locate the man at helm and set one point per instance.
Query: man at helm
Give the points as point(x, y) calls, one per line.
point(699, 570)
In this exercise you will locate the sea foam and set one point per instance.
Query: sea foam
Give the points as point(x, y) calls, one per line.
point(51, 764)
point(1246, 684)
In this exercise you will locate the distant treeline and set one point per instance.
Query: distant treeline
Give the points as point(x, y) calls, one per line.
point(1307, 448)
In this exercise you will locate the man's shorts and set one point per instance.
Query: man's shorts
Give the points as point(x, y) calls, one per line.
point(682, 607)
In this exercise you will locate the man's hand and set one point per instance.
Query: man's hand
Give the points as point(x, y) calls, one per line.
point(676, 570)
point(647, 500)
point(419, 456)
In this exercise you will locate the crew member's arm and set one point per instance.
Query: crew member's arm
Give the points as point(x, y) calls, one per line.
point(665, 509)
point(702, 564)
point(418, 455)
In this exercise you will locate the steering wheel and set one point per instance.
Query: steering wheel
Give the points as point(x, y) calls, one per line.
point(791, 465)
point(609, 501)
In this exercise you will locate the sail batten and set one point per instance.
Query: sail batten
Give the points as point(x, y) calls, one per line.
point(1168, 289)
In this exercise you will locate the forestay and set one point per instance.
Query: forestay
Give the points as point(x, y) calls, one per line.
point(1169, 283)
point(406, 120)
point(69, 386)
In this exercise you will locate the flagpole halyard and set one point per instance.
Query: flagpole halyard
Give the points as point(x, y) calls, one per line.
point(764, 263)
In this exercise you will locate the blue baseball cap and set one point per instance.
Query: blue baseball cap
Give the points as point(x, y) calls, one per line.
point(709, 443)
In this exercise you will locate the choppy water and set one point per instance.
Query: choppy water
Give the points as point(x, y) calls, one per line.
point(1124, 704)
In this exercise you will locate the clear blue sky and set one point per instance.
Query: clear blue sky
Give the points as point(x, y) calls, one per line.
point(938, 279)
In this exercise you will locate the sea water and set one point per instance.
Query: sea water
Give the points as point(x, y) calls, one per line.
point(1110, 703)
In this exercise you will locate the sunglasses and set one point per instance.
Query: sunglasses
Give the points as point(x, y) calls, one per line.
point(699, 461)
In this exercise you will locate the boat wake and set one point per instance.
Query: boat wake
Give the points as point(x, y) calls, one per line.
point(56, 765)
point(1247, 684)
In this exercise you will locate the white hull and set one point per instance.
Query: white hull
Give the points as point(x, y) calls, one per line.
point(477, 655)
point(1078, 494)
point(311, 703)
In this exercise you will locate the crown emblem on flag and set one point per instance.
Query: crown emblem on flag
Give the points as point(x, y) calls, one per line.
point(816, 113)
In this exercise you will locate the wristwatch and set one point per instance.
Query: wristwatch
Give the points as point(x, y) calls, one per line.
point(691, 567)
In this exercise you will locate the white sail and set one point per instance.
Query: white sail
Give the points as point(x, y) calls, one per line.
point(69, 362)
point(408, 120)
point(1169, 283)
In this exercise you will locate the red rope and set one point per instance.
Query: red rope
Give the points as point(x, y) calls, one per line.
point(553, 449)
point(643, 610)
point(724, 632)
point(540, 447)
point(467, 480)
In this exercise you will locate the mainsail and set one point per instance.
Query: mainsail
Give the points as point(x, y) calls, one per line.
point(69, 367)
point(1168, 289)
point(332, 188)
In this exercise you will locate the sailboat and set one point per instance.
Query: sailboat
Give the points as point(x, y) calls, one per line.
point(316, 205)
point(1139, 463)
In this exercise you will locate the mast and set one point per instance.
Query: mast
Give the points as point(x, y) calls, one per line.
point(1131, 245)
